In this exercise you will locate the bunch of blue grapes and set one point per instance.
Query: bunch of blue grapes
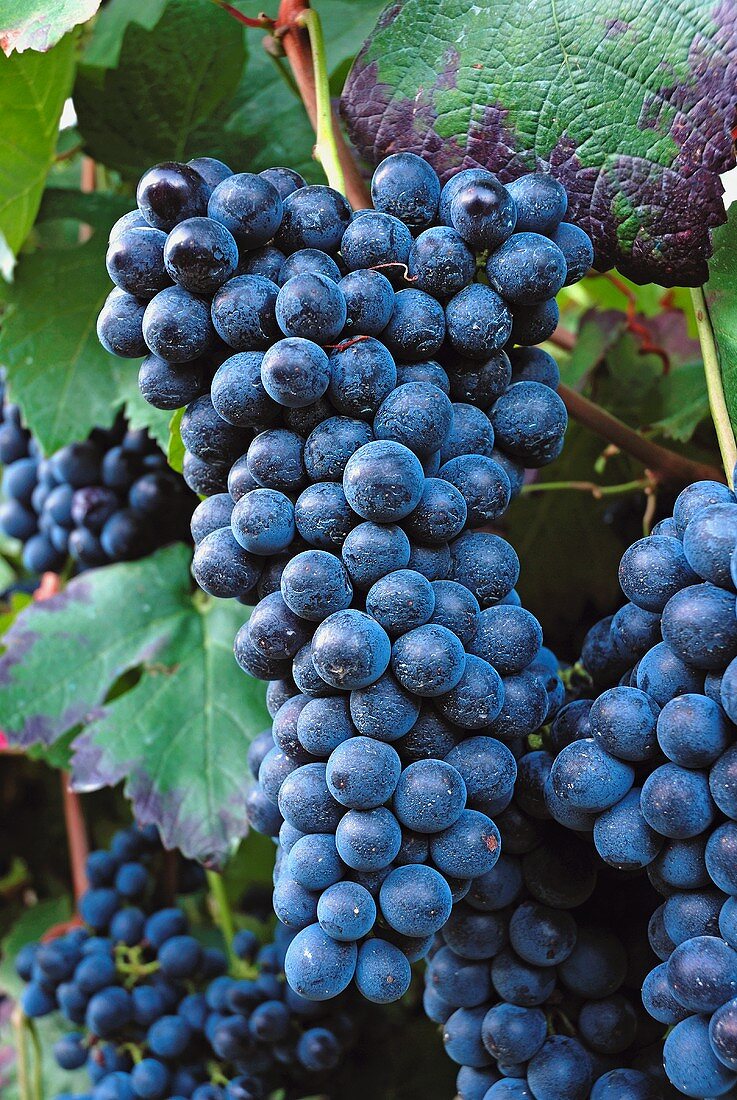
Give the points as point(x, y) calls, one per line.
point(535, 979)
point(648, 770)
point(110, 498)
point(156, 1015)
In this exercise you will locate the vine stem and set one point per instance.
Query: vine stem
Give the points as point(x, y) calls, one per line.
point(326, 147)
point(295, 39)
point(665, 465)
point(222, 912)
point(597, 491)
point(714, 387)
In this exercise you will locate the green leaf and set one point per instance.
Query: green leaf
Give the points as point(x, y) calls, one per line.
point(569, 555)
point(179, 736)
point(631, 106)
point(39, 24)
point(103, 46)
point(64, 381)
point(169, 79)
point(721, 299)
point(175, 448)
point(33, 88)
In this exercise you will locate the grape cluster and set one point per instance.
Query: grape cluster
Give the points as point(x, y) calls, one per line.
point(366, 397)
point(156, 1014)
point(535, 978)
point(649, 770)
point(111, 498)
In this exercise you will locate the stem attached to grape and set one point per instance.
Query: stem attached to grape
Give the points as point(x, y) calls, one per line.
point(714, 387)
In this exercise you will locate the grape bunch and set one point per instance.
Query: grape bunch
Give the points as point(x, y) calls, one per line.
point(648, 769)
point(110, 498)
point(155, 1013)
point(536, 977)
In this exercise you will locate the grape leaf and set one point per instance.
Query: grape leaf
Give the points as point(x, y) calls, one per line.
point(64, 381)
point(178, 736)
point(103, 45)
point(721, 300)
point(630, 105)
point(168, 80)
point(39, 24)
point(33, 88)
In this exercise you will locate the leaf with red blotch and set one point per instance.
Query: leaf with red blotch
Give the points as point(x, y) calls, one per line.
point(36, 25)
point(631, 106)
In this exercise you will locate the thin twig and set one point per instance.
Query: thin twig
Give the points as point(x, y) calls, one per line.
point(260, 20)
point(665, 465)
point(76, 836)
point(597, 491)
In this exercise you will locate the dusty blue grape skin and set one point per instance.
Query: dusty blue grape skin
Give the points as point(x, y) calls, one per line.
point(401, 600)
point(247, 205)
point(383, 973)
point(529, 422)
point(201, 254)
point(430, 796)
point(416, 414)
point(416, 328)
point(331, 444)
point(350, 650)
point(428, 660)
point(323, 724)
point(434, 562)
point(658, 997)
point(368, 840)
point(534, 365)
point(524, 707)
point(439, 515)
point(527, 267)
point(370, 550)
point(168, 387)
point(346, 911)
point(314, 584)
point(681, 864)
point(470, 433)
point(721, 863)
point(723, 782)
point(576, 246)
point(489, 770)
point(478, 321)
point(469, 847)
point(694, 913)
point(415, 900)
point(541, 202)
point(702, 972)
point(662, 674)
point(486, 564)
point(534, 323)
point(480, 382)
point(512, 1033)
point(698, 495)
point(690, 1062)
point(520, 983)
point(462, 1037)
point(480, 208)
point(384, 710)
point(120, 325)
point(362, 374)
point(135, 261)
point(317, 966)
point(431, 737)
point(374, 240)
point(457, 609)
point(314, 862)
point(266, 261)
point(312, 307)
point(623, 722)
point(482, 483)
point(723, 1034)
point(440, 262)
point(243, 312)
point(589, 778)
point(210, 515)
point(275, 460)
point(362, 773)
point(476, 699)
point(407, 187)
point(313, 217)
point(634, 631)
point(383, 481)
point(222, 567)
point(322, 516)
point(462, 983)
point(700, 626)
point(507, 637)
point(693, 731)
point(263, 521)
point(305, 801)
point(654, 569)
point(307, 259)
point(623, 838)
point(294, 906)
point(169, 192)
point(369, 299)
point(285, 180)
point(295, 372)
point(676, 802)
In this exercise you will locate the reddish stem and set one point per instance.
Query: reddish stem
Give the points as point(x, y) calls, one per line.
point(665, 465)
point(260, 21)
point(296, 43)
